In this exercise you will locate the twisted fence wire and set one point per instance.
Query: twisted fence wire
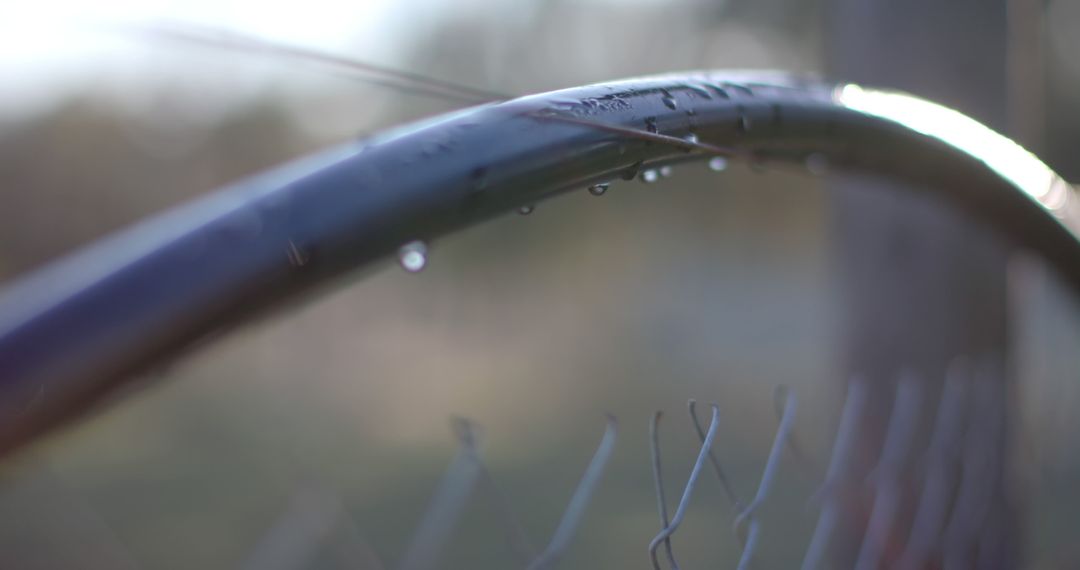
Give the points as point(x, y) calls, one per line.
point(447, 505)
point(688, 490)
point(575, 510)
point(899, 436)
point(955, 486)
point(951, 484)
point(979, 479)
point(296, 536)
point(838, 474)
point(658, 479)
point(746, 525)
point(747, 518)
point(938, 471)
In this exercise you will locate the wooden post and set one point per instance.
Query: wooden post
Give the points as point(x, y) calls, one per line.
point(924, 287)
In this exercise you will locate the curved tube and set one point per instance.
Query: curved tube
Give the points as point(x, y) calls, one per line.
point(89, 323)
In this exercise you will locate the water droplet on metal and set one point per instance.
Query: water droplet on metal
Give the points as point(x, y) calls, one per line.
point(692, 138)
point(599, 189)
point(526, 209)
point(649, 176)
point(669, 101)
point(718, 163)
point(817, 163)
point(665, 171)
point(413, 256)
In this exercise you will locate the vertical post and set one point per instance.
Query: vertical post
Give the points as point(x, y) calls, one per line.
point(924, 287)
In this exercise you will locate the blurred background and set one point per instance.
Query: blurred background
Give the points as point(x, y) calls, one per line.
point(335, 416)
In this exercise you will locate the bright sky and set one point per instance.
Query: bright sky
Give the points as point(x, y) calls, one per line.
point(49, 47)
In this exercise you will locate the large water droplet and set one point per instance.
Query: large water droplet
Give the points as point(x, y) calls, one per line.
point(599, 189)
point(649, 176)
point(413, 256)
point(718, 163)
point(526, 209)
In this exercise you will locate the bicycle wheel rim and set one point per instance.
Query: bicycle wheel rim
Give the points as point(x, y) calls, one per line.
point(78, 329)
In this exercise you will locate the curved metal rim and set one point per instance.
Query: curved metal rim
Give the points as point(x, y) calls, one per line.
point(73, 332)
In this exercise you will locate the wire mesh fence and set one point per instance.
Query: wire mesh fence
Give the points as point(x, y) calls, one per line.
point(928, 499)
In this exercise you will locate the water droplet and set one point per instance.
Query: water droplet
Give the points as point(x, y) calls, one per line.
point(817, 163)
point(650, 125)
point(413, 256)
point(669, 101)
point(649, 176)
point(599, 189)
point(691, 138)
point(526, 209)
point(665, 171)
point(718, 163)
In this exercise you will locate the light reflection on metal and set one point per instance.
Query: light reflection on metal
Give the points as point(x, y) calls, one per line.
point(1002, 155)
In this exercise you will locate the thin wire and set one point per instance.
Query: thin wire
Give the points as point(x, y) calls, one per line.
point(793, 443)
point(575, 510)
point(409, 81)
point(515, 533)
point(729, 491)
point(772, 464)
point(401, 80)
point(682, 144)
point(937, 487)
point(294, 539)
point(658, 479)
point(839, 466)
point(448, 503)
point(981, 474)
point(747, 557)
point(688, 491)
point(899, 436)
